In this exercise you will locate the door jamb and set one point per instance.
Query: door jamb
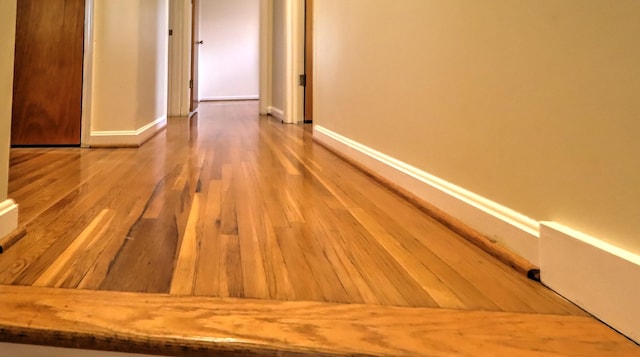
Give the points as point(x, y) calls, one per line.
point(87, 75)
point(294, 58)
point(266, 56)
point(294, 106)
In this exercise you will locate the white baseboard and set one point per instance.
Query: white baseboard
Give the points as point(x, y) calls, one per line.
point(276, 113)
point(510, 229)
point(595, 275)
point(127, 138)
point(8, 217)
point(229, 98)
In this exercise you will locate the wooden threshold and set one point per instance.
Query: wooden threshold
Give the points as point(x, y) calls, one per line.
point(200, 326)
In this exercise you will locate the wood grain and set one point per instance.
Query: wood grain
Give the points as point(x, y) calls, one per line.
point(83, 242)
point(204, 326)
point(232, 204)
point(229, 205)
point(12, 238)
point(48, 73)
point(503, 254)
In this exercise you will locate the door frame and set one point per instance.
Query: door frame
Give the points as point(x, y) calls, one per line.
point(294, 108)
point(87, 75)
point(179, 57)
point(308, 60)
point(266, 56)
point(294, 58)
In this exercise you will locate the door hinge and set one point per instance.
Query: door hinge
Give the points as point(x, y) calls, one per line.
point(170, 32)
point(303, 80)
point(190, 83)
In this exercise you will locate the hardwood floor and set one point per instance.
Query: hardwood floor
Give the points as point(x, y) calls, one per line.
point(234, 205)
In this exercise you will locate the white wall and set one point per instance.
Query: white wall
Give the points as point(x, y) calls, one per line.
point(130, 71)
point(8, 210)
point(229, 57)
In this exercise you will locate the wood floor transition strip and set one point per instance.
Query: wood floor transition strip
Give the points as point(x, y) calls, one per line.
point(199, 326)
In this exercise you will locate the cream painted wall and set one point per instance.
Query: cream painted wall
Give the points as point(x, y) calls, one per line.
point(153, 64)
point(531, 104)
point(7, 44)
point(278, 93)
point(130, 53)
point(229, 57)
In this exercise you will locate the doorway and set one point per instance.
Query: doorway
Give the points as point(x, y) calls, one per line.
point(47, 92)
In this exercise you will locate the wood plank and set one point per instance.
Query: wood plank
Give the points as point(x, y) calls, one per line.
point(156, 323)
point(303, 280)
point(249, 234)
point(275, 271)
point(208, 274)
point(232, 283)
point(9, 240)
point(94, 231)
point(150, 247)
point(184, 274)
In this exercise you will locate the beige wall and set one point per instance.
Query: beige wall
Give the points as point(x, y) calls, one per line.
point(279, 78)
point(130, 70)
point(531, 104)
point(7, 43)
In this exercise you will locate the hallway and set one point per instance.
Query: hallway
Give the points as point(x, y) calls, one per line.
point(235, 205)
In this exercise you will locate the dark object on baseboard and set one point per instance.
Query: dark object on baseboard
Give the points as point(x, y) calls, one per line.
point(534, 274)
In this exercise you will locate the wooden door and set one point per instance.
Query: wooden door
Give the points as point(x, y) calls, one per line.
point(308, 62)
point(47, 91)
point(195, 44)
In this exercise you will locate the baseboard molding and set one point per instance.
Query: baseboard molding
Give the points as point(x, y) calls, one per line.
point(229, 98)
point(276, 113)
point(595, 275)
point(8, 217)
point(510, 229)
point(127, 138)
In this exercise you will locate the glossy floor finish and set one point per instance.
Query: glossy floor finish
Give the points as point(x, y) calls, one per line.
point(230, 204)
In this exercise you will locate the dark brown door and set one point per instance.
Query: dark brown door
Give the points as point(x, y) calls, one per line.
point(195, 99)
point(47, 91)
point(308, 62)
